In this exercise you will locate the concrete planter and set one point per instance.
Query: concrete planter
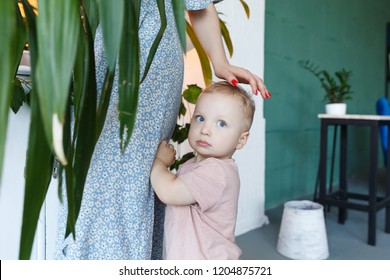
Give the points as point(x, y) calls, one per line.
point(302, 233)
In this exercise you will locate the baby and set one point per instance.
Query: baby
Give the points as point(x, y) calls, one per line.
point(202, 197)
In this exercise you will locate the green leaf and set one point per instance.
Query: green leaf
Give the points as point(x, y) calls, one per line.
point(80, 74)
point(179, 12)
point(182, 160)
point(129, 76)
point(180, 133)
point(156, 42)
point(69, 178)
point(7, 65)
point(192, 93)
point(226, 37)
point(104, 102)
point(57, 34)
point(36, 127)
point(182, 109)
point(112, 14)
point(246, 8)
point(21, 38)
point(204, 60)
point(91, 8)
point(84, 134)
point(335, 90)
point(18, 97)
point(38, 175)
point(85, 141)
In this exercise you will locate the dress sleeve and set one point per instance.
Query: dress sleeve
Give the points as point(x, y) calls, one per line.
point(197, 4)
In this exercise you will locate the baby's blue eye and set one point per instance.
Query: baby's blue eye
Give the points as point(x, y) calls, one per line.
point(199, 118)
point(221, 123)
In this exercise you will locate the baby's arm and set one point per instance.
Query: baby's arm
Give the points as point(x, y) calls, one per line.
point(169, 189)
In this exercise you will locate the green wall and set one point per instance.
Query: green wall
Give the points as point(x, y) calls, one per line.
point(333, 34)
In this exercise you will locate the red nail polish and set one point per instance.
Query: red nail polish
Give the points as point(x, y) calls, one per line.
point(234, 82)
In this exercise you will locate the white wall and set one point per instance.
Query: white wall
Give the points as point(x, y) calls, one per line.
point(248, 39)
point(12, 184)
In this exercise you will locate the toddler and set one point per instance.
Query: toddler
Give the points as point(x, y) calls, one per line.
point(202, 197)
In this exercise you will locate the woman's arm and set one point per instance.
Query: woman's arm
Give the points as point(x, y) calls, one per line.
point(206, 25)
point(169, 189)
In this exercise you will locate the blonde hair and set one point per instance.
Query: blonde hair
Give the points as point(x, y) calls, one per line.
point(246, 98)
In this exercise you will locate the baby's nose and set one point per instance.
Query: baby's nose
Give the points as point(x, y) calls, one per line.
point(205, 130)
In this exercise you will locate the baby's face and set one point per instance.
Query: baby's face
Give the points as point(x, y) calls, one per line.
point(217, 126)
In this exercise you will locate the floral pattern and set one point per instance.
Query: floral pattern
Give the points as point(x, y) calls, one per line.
point(119, 218)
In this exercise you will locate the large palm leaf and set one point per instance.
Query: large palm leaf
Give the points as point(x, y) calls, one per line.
point(7, 66)
point(67, 78)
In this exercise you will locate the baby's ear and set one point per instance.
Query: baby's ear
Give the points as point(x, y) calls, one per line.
point(242, 140)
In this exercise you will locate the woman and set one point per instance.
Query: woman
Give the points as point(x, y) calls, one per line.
point(119, 218)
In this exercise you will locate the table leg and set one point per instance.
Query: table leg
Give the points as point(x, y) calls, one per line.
point(322, 165)
point(343, 172)
point(333, 158)
point(372, 195)
point(315, 196)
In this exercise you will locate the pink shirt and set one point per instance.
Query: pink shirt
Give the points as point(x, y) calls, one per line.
point(205, 230)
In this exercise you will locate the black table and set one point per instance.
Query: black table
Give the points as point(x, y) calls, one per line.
point(342, 197)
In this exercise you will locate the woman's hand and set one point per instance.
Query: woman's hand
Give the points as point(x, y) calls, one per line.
point(206, 25)
point(235, 75)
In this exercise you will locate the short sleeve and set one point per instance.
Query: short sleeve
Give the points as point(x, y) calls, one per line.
point(197, 4)
point(206, 182)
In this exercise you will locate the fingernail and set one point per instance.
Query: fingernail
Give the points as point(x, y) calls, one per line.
point(269, 95)
point(234, 82)
point(256, 92)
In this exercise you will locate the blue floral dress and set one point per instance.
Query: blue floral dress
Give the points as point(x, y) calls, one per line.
point(119, 218)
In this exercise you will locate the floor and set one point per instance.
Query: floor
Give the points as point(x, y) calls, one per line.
point(345, 241)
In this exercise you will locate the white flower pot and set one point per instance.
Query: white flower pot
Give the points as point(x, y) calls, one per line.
point(302, 234)
point(336, 108)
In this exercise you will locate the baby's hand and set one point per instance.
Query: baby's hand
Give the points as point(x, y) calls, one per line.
point(166, 153)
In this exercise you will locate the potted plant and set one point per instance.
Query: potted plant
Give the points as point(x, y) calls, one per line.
point(337, 87)
point(62, 69)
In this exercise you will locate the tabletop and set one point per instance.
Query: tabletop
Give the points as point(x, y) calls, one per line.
point(355, 117)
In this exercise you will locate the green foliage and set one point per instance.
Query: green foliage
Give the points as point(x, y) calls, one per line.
point(38, 170)
point(63, 76)
point(178, 10)
point(8, 52)
point(180, 134)
point(19, 95)
point(183, 159)
point(192, 93)
point(337, 87)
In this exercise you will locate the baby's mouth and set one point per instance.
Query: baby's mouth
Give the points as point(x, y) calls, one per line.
point(202, 143)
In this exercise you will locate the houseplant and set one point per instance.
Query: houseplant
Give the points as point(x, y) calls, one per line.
point(62, 73)
point(62, 68)
point(337, 87)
